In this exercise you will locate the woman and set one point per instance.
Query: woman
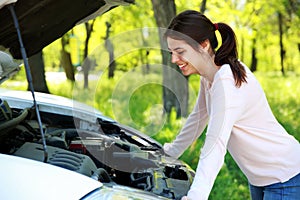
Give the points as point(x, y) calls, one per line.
point(233, 106)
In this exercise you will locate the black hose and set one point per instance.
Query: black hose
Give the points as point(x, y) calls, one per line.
point(8, 125)
point(101, 175)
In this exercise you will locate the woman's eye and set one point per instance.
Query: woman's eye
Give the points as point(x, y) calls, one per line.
point(180, 52)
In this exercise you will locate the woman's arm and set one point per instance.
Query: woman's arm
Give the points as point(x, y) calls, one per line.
point(194, 126)
point(226, 107)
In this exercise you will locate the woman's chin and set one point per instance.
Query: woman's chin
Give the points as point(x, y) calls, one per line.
point(186, 73)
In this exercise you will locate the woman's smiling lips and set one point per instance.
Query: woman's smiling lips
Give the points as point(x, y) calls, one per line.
point(182, 66)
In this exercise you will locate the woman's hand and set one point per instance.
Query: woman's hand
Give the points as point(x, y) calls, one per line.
point(184, 198)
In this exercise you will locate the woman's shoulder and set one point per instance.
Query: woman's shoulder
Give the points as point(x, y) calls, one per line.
point(224, 72)
point(225, 75)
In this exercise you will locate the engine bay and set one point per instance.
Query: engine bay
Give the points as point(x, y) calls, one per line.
point(106, 151)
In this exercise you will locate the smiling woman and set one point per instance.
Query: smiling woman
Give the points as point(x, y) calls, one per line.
point(233, 105)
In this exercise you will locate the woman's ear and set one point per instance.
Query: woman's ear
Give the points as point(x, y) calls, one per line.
point(205, 45)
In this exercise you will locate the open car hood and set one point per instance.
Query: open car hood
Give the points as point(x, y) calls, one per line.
point(43, 21)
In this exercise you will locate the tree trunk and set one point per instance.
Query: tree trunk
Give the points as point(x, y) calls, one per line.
point(112, 64)
point(110, 49)
point(203, 6)
point(86, 68)
point(87, 64)
point(37, 68)
point(65, 61)
point(253, 66)
point(282, 51)
point(175, 85)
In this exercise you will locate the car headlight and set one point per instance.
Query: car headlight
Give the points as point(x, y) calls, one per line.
point(121, 193)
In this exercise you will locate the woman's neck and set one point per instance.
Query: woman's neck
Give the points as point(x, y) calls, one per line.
point(212, 69)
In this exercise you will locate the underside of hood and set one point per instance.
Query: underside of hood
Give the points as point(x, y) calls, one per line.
point(43, 21)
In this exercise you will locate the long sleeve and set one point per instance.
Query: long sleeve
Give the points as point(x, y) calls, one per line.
point(225, 109)
point(194, 126)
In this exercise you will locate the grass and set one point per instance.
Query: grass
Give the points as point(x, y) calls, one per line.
point(135, 99)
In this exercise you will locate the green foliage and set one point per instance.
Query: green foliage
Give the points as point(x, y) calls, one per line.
point(17, 82)
point(283, 94)
point(249, 19)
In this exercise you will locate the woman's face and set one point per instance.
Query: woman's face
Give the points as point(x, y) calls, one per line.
point(185, 57)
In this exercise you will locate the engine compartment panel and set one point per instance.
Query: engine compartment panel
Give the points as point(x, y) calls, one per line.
point(103, 151)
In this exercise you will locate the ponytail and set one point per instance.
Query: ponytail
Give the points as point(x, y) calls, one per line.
point(227, 53)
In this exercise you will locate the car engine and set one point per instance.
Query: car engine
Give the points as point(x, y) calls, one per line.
point(105, 150)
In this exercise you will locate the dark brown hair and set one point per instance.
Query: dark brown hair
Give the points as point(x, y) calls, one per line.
point(194, 28)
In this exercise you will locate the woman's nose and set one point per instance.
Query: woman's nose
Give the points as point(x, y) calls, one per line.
point(174, 58)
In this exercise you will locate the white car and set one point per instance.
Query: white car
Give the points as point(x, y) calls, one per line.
point(80, 139)
point(29, 179)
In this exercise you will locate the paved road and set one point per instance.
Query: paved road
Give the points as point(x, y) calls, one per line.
point(61, 76)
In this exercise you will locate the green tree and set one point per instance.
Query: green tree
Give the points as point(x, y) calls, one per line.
point(86, 66)
point(110, 49)
point(175, 89)
point(65, 60)
point(37, 68)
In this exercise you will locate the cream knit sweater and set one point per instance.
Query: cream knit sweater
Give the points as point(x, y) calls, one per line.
point(240, 121)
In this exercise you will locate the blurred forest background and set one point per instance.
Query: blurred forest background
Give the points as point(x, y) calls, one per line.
point(118, 64)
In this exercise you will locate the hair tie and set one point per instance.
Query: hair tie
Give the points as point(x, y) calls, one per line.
point(216, 26)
